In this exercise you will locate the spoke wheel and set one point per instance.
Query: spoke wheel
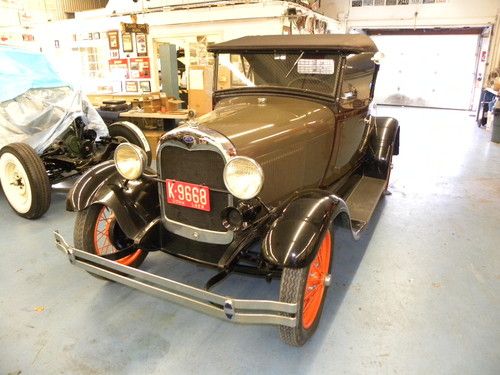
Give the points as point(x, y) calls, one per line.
point(307, 287)
point(315, 283)
point(97, 232)
point(108, 237)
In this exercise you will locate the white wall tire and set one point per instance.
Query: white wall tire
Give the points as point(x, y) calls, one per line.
point(24, 180)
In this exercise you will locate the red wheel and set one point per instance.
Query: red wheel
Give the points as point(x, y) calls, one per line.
point(307, 288)
point(104, 226)
point(315, 283)
point(106, 235)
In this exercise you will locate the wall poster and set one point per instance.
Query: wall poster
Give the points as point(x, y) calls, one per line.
point(141, 44)
point(113, 40)
point(140, 68)
point(119, 69)
point(131, 86)
point(127, 42)
point(145, 86)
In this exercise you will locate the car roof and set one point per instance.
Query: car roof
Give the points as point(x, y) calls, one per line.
point(348, 43)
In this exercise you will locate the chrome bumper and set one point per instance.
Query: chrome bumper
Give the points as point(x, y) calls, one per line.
point(222, 307)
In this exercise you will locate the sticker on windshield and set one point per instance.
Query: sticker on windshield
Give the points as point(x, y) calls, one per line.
point(316, 66)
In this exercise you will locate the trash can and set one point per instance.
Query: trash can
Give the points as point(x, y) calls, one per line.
point(495, 134)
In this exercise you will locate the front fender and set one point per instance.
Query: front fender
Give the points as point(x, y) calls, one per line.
point(295, 236)
point(134, 203)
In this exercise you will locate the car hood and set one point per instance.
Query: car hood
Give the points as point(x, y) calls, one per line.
point(257, 125)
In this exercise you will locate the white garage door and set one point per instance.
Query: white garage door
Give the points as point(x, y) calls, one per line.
point(427, 70)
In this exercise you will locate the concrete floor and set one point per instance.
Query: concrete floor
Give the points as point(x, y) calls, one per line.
point(418, 294)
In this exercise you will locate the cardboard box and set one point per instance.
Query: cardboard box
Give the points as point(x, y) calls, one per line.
point(200, 101)
point(173, 105)
point(152, 102)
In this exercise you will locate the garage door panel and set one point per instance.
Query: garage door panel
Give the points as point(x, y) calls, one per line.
point(427, 70)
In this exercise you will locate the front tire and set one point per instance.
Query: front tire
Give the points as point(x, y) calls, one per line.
point(307, 287)
point(97, 232)
point(24, 180)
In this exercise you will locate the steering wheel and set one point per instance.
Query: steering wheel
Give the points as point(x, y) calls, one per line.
point(294, 83)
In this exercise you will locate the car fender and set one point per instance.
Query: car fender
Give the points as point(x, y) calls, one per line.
point(138, 132)
point(384, 136)
point(135, 203)
point(294, 238)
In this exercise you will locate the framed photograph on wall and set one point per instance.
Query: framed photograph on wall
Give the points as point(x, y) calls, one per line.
point(127, 42)
point(113, 39)
point(141, 44)
point(145, 86)
point(131, 86)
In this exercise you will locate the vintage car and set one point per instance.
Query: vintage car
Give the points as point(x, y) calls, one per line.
point(48, 132)
point(253, 186)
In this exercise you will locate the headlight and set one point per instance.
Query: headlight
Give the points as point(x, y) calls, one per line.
point(243, 177)
point(130, 160)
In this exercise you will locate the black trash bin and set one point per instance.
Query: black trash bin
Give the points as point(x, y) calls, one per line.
point(495, 134)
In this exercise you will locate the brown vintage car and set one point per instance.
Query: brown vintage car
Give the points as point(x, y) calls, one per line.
point(289, 149)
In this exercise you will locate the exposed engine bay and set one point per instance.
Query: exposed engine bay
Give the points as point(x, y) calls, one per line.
point(75, 150)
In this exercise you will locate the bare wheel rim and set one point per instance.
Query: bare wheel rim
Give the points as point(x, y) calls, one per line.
point(102, 241)
point(15, 183)
point(315, 283)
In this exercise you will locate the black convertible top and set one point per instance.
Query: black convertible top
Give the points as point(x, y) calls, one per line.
point(348, 43)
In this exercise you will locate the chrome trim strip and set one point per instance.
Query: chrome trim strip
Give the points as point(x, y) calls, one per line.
point(203, 139)
point(244, 311)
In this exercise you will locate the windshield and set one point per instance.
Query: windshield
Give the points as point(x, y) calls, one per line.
point(298, 70)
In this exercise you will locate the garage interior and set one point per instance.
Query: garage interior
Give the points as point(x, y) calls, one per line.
point(418, 293)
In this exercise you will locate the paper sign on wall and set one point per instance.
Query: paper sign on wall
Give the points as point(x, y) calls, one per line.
point(139, 67)
point(196, 79)
point(118, 68)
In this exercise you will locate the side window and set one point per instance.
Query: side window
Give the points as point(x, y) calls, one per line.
point(234, 71)
point(357, 81)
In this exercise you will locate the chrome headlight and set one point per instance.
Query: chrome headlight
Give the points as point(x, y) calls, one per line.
point(130, 160)
point(243, 177)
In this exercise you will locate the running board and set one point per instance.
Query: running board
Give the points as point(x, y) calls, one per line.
point(363, 199)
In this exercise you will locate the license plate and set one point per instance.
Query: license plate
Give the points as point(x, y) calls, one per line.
point(188, 195)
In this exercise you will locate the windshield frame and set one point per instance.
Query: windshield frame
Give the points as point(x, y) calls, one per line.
point(331, 96)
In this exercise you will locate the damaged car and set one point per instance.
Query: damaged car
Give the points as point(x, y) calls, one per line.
point(48, 132)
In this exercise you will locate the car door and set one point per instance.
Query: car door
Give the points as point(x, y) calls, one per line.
point(351, 115)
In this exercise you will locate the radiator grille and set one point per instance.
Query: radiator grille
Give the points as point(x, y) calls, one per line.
point(202, 167)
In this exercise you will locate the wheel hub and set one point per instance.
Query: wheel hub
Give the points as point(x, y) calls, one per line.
point(16, 179)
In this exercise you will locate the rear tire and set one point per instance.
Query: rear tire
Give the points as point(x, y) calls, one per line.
point(97, 232)
point(307, 287)
point(125, 131)
point(24, 180)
